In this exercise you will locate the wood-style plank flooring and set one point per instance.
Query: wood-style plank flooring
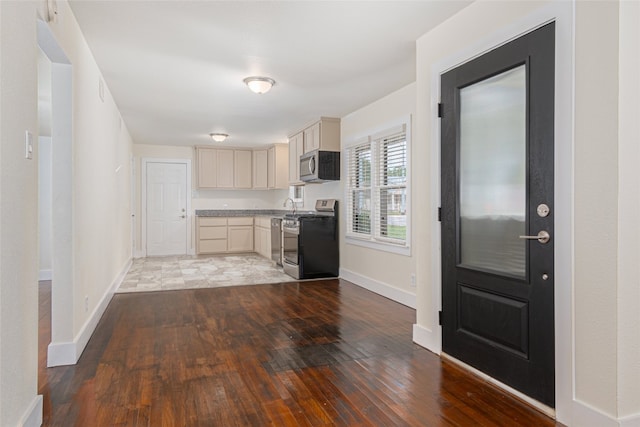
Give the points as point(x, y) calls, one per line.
point(297, 354)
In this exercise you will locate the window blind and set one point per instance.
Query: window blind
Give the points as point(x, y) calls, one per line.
point(391, 188)
point(359, 189)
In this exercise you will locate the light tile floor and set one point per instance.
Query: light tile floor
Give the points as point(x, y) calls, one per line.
point(189, 272)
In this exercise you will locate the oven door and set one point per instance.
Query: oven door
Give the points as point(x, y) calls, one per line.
point(290, 254)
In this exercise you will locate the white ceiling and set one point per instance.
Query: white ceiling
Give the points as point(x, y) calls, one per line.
point(175, 68)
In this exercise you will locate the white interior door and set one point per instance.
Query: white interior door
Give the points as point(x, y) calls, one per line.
point(166, 205)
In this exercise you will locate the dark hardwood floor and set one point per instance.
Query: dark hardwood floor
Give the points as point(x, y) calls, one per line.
point(297, 354)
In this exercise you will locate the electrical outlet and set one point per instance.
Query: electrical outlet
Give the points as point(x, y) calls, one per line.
point(86, 303)
point(413, 280)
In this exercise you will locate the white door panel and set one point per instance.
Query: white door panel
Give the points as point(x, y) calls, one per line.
point(166, 209)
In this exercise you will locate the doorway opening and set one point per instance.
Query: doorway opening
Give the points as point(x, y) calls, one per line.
point(55, 189)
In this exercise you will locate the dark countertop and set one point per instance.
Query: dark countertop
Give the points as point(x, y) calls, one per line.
point(241, 212)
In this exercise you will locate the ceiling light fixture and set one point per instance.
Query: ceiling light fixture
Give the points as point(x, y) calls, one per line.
point(258, 84)
point(218, 137)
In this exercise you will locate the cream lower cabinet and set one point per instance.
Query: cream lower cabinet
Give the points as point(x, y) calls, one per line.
point(262, 236)
point(211, 235)
point(218, 235)
point(240, 234)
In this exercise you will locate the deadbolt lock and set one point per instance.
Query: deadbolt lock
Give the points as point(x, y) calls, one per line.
point(543, 210)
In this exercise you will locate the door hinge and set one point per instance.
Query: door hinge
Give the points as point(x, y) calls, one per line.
point(439, 214)
point(440, 113)
point(440, 318)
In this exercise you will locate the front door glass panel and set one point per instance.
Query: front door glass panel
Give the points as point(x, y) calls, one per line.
point(493, 173)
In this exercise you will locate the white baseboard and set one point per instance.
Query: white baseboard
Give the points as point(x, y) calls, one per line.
point(139, 254)
point(630, 421)
point(68, 353)
point(584, 415)
point(44, 275)
point(61, 354)
point(427, 338)
point(380, 288)
point(33, 415)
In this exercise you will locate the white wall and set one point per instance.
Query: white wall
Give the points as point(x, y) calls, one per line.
point(19, 402)
point(383, 272)
point(44, 94)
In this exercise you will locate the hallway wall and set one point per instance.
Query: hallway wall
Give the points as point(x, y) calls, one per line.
point(19, 402)
point(99, 241)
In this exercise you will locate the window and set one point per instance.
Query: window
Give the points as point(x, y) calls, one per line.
point(377, 190)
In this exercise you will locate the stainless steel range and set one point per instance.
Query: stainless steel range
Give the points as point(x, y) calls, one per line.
point(310, 242)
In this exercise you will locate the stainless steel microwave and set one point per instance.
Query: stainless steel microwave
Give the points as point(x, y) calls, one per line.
point(320, 166)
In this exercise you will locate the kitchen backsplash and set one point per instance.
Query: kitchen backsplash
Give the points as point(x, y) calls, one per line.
point(262, 199)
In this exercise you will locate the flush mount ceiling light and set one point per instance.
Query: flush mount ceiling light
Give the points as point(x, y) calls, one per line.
point(218, 137)
point(259, 85)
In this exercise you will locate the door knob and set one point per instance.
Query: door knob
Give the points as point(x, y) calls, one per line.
point(542, 237)
point(183, 216)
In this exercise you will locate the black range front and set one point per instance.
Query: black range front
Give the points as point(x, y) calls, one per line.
point(310, 243)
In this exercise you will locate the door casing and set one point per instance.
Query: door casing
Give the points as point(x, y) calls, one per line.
point(563, 14)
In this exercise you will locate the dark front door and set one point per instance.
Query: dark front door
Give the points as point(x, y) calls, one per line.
point(497, 213)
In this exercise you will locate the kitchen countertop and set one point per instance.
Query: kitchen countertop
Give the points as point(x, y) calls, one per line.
point(242, 212)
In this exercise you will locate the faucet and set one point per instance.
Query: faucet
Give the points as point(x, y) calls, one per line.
point(293, 204)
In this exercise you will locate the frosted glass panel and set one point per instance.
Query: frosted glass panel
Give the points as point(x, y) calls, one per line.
point(493, 173)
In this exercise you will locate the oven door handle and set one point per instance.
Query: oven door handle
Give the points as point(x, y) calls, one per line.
point(292, 230)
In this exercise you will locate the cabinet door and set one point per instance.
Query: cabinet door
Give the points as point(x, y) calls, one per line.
point(278, 161)
point(295, 149)
point(312, 138)
point(266, 242)
point(240, 238)
point(225, 168)
point(207, 165)
point(271, 168)
point(261, 169)
point(242, 166)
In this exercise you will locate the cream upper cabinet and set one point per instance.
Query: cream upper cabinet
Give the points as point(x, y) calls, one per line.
point(312, 137)
point(323, 135)
point(278, 166)
point(207, 167)
point(229, 168)
point(242, 168)
point(225, 169)
point(261, 169)
point(296, 148)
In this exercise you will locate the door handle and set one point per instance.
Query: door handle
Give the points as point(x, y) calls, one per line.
point(542, 237)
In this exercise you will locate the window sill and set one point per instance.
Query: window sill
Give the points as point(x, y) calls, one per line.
point(385, 247)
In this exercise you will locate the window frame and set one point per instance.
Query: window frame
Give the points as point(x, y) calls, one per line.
point(373, 239)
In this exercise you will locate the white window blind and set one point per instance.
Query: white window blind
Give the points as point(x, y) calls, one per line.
point(377, 189)
point(359, 188)
point(391, 188)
